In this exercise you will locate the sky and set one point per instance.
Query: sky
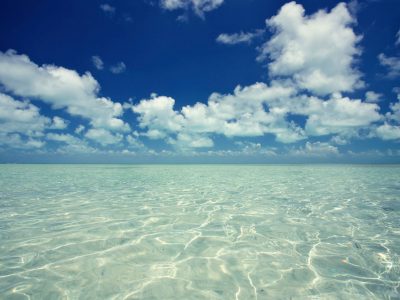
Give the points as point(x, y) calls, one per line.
point(199, 81)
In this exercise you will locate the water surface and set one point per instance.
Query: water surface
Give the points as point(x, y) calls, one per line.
point(199, 232)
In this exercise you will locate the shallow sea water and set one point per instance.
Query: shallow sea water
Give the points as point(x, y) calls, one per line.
point(199, 232)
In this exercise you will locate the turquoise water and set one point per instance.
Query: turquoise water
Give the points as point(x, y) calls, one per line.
point(199, 232)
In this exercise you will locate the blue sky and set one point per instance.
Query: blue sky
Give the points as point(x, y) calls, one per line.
point(200, 81)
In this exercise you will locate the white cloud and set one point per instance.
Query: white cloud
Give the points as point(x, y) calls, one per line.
point(339, 115)
point(373, 153)
point(388, 132)
point(339, 140)
point(33, 143)
point(61, 88)
point(250, 148)
point(79, 129)
point(72, 143)
point(255, 110)
point(314, 52)
point(243, 149)
point(372, 97)
point(241, 113)
point(66, 138)
point(97, 62)
point(103, 136)
point(198, 6)
point(118, 68)
point(22, 126)
point(395, 114)
point(391, 63)
point(133, 141)
point(237, 38)
point(59, 123)
point(185, 140)
point(390, 129)
point(157, 114)
point(107, 8)
point(238, 114)
point(317, 51)
point(17, 141)
point(174, 4)
point(21, 117)
point(315, 149)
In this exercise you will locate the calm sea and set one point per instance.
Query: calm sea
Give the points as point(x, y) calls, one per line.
point(199, 232)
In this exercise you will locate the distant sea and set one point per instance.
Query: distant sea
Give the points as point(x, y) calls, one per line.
point(199, 232)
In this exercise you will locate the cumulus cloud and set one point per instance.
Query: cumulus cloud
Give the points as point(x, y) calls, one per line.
point(237, 38)
point(133, 141)
point(254, 110)
point(250, 148)
point(394, 115)
point(242, 113)
point(339, 140)
point(103, 136)
point(190, 140)
point(372, 97)
point(59, 123)
point(239, 114)
point(22, 125)
point(388, 132)
point(392, 64)
point(97, 62)
point(317, 51)
point(318, 149)
point(17, 141)
point(339, 115)
point(314, 53)
point(79, 129)
point(71, 144)
point(61, 88)
point(66, 138)
point(118, 68)
point(390, 129)
point(198, 6)
point(21, 117)
point(158, 115)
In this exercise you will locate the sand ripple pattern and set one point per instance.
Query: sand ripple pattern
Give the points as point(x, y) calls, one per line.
point(199, 232)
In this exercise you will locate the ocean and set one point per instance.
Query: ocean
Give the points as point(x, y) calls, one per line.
point(199, 232)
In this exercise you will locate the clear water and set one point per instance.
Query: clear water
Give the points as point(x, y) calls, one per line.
point(199, 232)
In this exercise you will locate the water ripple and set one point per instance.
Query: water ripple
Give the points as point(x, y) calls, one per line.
point(199, 232)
